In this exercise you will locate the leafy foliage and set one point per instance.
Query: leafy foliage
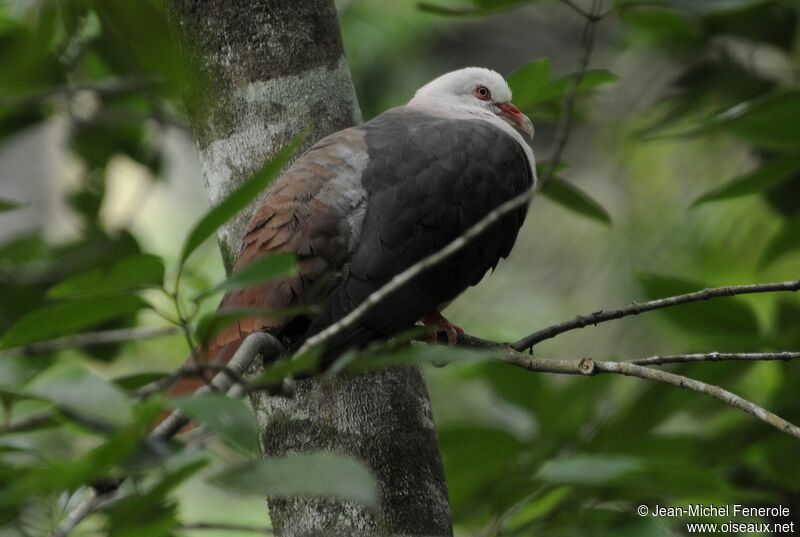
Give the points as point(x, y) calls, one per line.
point(129, 274)
point(65, 318)
point(315, 474)
point(236, 201)
point(570, 197)
point(267, 268)
point(229, 418)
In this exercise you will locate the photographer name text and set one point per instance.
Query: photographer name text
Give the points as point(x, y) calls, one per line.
point(703, 510)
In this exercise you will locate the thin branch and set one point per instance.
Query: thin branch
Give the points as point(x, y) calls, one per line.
point(225, 526)
point(585, 14)
point(577, 9)
point(582, 321)
point(729, 398)
point(90, 339)
point(263, 344)
point(565, 123)
point(717, 357)
point(192, 370)
point(187, 333)
point(590, 367)
point(86, 507)
point(256, 344)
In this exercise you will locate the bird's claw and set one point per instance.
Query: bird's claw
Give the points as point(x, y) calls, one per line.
point(436, 322)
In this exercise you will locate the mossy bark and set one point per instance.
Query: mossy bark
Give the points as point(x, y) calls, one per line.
point(264, 71)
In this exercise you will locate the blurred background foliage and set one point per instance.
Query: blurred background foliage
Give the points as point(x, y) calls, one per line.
point(682, 171)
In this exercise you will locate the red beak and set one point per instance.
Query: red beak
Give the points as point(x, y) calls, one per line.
point(516, 118)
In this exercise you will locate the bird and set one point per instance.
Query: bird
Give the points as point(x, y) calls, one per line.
point(367, 202)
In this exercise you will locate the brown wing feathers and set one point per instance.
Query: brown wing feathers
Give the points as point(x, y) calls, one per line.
point(302, 214)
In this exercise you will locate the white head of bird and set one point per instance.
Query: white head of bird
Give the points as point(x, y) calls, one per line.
point(474, 92)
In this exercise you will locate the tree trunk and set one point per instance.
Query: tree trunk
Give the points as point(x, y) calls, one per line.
point(267, 70)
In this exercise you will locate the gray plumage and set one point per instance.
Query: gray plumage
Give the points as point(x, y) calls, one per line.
point(428, 179)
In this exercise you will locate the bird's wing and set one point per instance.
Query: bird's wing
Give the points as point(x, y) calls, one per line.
point(313, 210)
point(428, 180)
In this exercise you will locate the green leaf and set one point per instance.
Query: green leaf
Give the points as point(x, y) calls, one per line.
point(9, 205)
point(709, 6)
point(539, 507)
point(151, 512)
point(785, 241)
point(776, 24)
point(58, 475)
point(140, 271)
point(440, 9)
point(531, 85)
point(297, 365)
point(594, 78)
point(570, 197)
point(762, 179)
point(477, 459)
point(732, 319)
point(15, 371)
point(237, 200)
point(230, 418)
point(588, 469)
point(66, 318)
point(137, 380)
point(478, 7)
point(79, 392)
point(136, 38)
point(261, 270)
point(772, 120)
point(213, 323)
point(317, 474)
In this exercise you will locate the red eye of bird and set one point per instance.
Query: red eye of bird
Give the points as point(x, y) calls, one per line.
point(482, 93)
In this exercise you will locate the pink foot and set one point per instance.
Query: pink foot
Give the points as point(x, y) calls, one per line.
point(436, 322)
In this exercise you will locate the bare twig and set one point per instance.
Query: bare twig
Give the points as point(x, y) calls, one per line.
point(187, 371)
point(717, 357)
point(586, 14)
point(590, 367)
point(565, 119)
point(90, 339)
point(86, 507)
point(256, 344)
point(264, 344)
point(729, 398)
point(183, 322)
point(577, 9)
point(582, 321)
